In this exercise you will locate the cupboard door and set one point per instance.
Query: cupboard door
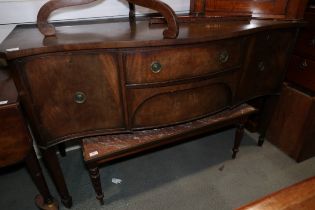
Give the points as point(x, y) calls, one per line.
point(74, 93)
point(265, 64)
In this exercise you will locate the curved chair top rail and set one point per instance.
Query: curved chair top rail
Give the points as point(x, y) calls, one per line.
point(166, 11)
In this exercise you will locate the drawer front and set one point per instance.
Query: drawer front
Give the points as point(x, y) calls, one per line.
point(164, 64)
point(15, 141)
point(169, 105)
point(74, 93)
point(265, 64)
point(305, 45)
point(302, 72)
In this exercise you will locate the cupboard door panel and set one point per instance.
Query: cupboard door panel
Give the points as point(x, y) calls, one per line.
point(74, 93)
point(151, 107)
point(265, 64)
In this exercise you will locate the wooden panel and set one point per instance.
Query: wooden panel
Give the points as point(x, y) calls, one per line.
point(305, 45)
point(8, 91)
point(290, 125)
point(15, 142)
point(161, 106)
point(265, 64)
point(300, 196)
point(302, 72)
point(182, 62)
point(54, 80)
point(281, 9)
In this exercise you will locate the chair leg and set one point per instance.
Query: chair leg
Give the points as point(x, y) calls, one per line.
point(96, 181)
point(239, 133)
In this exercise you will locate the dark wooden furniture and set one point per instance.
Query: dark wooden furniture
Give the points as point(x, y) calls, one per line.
point(121, 77)
point(292, 128)
point(16, 142)
point(299, 196)
point(102, 149)
point(271, 9)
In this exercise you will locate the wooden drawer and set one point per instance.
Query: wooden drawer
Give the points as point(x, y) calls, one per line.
point(302, 72)
point(305, 45)
point(74, 93)
point(169, 64)
point(168, 105)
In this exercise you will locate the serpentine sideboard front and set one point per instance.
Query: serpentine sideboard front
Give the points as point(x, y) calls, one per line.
point(97, 78)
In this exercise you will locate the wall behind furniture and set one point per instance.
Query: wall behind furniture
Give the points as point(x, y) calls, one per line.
point(24, 11)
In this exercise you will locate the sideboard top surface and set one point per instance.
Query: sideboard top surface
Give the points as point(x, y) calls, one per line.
point(26, 40)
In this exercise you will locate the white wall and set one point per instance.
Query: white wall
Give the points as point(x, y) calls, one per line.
point(25, 11)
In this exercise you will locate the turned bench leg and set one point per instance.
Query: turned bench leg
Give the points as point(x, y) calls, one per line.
point(239, 133)
point(96, 181)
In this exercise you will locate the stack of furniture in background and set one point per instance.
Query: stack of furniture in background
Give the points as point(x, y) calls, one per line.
point(292, 127)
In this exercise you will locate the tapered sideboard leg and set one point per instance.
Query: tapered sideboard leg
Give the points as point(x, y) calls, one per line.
point(96, 181)
point(239, 133)
point(44, 200)
point(52, 164)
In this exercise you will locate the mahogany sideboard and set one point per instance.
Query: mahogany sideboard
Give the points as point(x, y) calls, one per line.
point(113, 77)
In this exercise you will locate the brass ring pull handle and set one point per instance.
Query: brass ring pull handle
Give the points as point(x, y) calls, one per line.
point(304, 64)
point(79, 97)
point(224, 57)
point(156, 67)
point(49, 30)
point(261, 66)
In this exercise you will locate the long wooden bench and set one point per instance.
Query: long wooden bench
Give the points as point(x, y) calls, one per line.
point(102, 149)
